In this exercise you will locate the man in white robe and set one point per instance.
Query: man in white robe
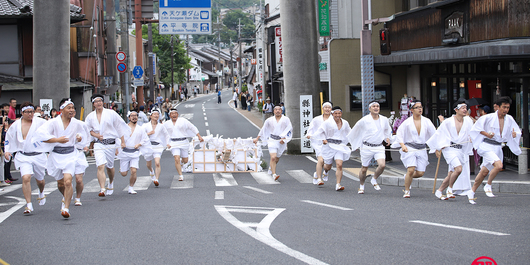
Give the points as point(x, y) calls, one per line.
point(411, 137)
point(81, 162)
point(179, 129)
point(318, 175)
point(30, 159)
point(369, 134)
point(129, 154)
point(105, 126)
point(159, 138)
point(63, 133)
point(277, 131)
point(452, 138)
point(488, 134)
point(334, 136)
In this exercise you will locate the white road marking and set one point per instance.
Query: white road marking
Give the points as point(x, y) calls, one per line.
point(142, 183)
point(344, 173)
point(328, 205)
point(263, 178)
point(207, 132)
point(187, 116)
point(187, 183)
point(206, 124)
point(189, 106)
point(205, 118)
point(258, 190)
point(21, 203)
point(11, 188)
point(8, 204)
point(48, 188)
point(461, 228)
point(262, 231)
point(224, 179)
point(257, 127)
point(92, 186)
point(220, 195)
point(301, 176)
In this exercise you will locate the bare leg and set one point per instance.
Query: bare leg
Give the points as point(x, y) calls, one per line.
point(177, 164)
point(445, 183)
point(454, 176)
point(362, 175)
point(497, 167)
point(338, 173)
point(101, 176)
point(320, 166)
point(110, 172)
point(479, 178)
point(408, 177)
point(380, 168)
point(157, 167)
point(132, 179)
point(26, 187)
point(273, 162)
point(68, 190)
point(149, 163)
point(79, 185)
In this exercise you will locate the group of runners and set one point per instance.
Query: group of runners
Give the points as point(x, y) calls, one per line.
point(66, 139)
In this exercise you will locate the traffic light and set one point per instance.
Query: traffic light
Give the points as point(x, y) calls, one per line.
point(384, 41)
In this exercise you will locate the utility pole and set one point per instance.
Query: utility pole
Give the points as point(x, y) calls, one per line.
point(188, 55)
point(367, 61)
point(51, 63)
point(219, 79)
point(239, 72)
point(139, 46)
point(231, 65)
point(150, 63)
point(111, 46)
point(172, 82)
point(300, 64)
point(124, 78)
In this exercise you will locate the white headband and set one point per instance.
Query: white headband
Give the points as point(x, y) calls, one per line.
point(94, 99)
point(27, 107)
point(413, 103)
point(327, 104)
point(131, 112)
point(173, 110)
point(460, 105)
point(336, 110)
point(153, 110)
point(370, 105)
point(66, 104)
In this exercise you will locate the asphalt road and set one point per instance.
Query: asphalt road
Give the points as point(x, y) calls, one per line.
point(251, 220)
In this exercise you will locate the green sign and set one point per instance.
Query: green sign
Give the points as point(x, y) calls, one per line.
point(323, 18)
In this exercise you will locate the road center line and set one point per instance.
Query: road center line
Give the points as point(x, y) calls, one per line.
point(328, 205)
point(219, 195)
point(461, 228)
point(205, 118)
point(258, 190)
point(206, 124)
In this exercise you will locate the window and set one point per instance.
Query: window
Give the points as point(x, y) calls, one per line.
point(381, 94)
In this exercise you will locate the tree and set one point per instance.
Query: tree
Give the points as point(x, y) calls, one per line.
point(162, 48)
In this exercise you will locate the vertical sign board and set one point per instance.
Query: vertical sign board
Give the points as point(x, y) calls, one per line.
point(306, 116)
point(185, 17)
point(259, 63)
point(279, 49)
point(323, 18)
point(154, 64)
point(46, 105)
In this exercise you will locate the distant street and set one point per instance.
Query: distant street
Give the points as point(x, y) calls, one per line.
point(246, 218)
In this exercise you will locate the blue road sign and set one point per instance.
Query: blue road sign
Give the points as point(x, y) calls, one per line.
point(186, 3)
point(138, 72)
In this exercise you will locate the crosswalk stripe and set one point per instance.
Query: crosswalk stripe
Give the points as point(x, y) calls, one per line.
point(224, 179)
point(142, 183)
point(263, 178)
point(91, 186)
point(300, 175)
point(48, 188)
point(219, 195)
point(187, 183)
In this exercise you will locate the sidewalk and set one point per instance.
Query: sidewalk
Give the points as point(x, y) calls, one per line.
point(507, 181)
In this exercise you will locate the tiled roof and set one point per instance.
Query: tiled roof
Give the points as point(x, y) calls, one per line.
point(24, 8)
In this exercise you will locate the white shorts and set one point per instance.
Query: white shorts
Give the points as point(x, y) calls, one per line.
point(374, 152)
point(415, 158)
point(317, 148)
point(127, 162)
point(105, 154)
point(331, 155)
point(182, 152)
point(31, 165)
point(490, 154)
point(152, 155)
point(276, 148)
point(81, 163)
point(60, 164)
point(453, 157)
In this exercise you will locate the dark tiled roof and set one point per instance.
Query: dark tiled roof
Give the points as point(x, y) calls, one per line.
point(24, 9)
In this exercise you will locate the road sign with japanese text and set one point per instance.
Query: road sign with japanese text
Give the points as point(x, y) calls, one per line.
point(185, 17)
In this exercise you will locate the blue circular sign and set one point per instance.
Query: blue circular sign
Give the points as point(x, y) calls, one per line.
point(121, 67)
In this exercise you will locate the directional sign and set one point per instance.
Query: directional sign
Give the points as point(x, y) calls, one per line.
point(138, 82)
point(120, 56)
point(138, 72)
point(121, 67)
point(185, 17)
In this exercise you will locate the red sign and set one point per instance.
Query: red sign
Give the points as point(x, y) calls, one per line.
point(120, 56)
point(278, 31)
point(121, 67)
point(484, 261)
point(253, 61)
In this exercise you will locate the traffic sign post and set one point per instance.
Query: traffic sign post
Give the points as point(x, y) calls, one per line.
point(185, 17)
point(138, 72)
point(120, 56)
point(121, 67)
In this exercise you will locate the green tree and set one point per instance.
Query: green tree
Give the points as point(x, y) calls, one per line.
point(162, 48)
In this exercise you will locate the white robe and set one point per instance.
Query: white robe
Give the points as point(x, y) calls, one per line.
point(61, 163)
point(112, 125)
point(445, 134)
point(330, 130)
point(15, 142)
point(313, 127)
point(407, 133)
point(182, 128)
point(138, 136)
point(490, 123)
point(160, 136)
point(367, 130)
point(282, 128)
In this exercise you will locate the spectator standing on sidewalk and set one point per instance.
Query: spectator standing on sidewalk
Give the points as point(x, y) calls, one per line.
point(234, 98)
point(250, 100)
point(166, 106)
point(12, 111)
point(244, 100)
point(267, 108)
